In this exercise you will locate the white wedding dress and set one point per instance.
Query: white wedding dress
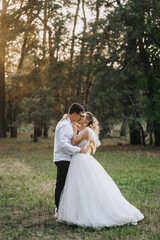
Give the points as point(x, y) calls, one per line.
point(90, 197)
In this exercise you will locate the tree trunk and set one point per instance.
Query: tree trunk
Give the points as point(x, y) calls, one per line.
point(73, 32)
point(45, 20)
point(51, 51)
point(13, 132)
point(123, 127)
point(39, 131)
point(90, 77)
point(3, 30)
point(135, 134)
point(2, 98)
point(70, 70)
point(157, 134)
point(89, 83)
point(35, 138)
point(151, 138)
point(149, 129)
point(82, 53)
point(45, 132)
point(23, 52)
point(142, 134)
point(13, 129)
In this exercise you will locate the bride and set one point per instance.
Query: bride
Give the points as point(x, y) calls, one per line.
point(90, 197)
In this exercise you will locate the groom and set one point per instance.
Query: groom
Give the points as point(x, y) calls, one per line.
point(63, 148)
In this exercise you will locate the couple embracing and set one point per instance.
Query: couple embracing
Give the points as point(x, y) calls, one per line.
point(85, 194)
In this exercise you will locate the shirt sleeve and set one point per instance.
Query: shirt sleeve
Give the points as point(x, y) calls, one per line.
point(65, 145)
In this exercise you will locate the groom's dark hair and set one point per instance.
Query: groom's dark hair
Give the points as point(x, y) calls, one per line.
point(75, 108)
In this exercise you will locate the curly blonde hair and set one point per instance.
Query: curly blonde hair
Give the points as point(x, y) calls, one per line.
point(93, 122)
point(94, 125)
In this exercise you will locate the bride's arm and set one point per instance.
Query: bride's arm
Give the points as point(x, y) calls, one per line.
point(84, 134)
point(65, 116)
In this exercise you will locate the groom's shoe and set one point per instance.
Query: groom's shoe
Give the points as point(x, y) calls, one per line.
point(56, 213)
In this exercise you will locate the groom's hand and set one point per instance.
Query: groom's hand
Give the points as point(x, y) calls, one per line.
point(83, 149)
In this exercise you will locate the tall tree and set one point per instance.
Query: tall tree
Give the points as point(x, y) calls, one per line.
point(80, 67)
point(3, 42)
point(24, 37)
point(148, 43)
point(70, 82)
point(9, 22)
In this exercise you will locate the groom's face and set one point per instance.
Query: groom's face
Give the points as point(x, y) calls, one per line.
point(77, 116)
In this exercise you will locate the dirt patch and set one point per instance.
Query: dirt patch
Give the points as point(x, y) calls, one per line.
point(24, 143)
point(127, 148)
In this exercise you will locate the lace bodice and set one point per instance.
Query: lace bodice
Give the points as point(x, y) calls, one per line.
point(83, 142)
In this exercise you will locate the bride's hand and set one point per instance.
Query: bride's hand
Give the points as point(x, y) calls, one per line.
point(65, 116)
point(74, 125)
point(78, 126)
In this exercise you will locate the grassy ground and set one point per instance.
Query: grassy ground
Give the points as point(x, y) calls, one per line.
point(27, 182)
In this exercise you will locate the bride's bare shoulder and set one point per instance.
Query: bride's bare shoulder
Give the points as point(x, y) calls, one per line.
point(84, 134)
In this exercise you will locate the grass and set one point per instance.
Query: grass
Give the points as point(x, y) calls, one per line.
point(27, 182)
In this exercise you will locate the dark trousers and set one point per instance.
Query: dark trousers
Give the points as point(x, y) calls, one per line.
point(62, 169)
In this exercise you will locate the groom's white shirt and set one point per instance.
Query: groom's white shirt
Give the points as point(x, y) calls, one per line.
point(63, 148)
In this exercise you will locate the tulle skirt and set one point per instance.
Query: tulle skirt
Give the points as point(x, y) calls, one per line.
point(90, 197)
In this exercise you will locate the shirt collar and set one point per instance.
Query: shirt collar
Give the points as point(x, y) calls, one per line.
point(69, 121)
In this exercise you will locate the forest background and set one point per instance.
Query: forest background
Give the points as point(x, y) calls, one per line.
point(103, 54)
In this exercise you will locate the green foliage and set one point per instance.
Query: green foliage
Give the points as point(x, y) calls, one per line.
point(113, 69)
point(105, 98)
point(38, 111)
point(135, 49)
